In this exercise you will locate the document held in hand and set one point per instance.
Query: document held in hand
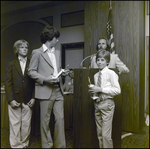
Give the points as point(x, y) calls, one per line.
point(55, 77)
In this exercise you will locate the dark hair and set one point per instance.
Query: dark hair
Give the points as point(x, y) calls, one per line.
point(103, 54)
point(17, 44)
point(48, 33)
point(108, 46)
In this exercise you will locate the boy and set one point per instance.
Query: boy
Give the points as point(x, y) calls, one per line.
point(20, 96)
point(106, 87)
point(44, 66)
point(120, 68)
point(115, 61)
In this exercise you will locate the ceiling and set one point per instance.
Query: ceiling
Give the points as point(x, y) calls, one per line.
point(15, 7)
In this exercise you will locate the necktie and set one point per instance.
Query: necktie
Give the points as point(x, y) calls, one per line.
point(99, 84)
point(99, 79)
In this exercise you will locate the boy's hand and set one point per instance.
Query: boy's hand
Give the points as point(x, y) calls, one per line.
point(94, 89)
point(65, 72)
point(14, 104)
point(31, 103)
point(51, 80)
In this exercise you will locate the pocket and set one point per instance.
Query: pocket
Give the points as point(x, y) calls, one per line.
point(111, 104)
point(102, 105)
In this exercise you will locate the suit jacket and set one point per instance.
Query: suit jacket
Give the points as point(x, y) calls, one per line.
point(41, 67)
point(18, 87)
point(114, 63)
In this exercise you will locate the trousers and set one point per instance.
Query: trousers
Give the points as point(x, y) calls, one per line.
point(20, 126)
point(56, 104)
point(104, 111)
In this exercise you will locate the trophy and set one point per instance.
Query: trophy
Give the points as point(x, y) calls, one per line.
point(94, 96)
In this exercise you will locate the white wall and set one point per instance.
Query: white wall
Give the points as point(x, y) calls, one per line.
point(31, 34)
point(67, 35)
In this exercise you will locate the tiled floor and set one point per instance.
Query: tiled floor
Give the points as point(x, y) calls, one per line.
point(132, 141)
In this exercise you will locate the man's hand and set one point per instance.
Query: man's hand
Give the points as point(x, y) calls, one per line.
point(31, 103)
point(122, 70)
point(14, 104)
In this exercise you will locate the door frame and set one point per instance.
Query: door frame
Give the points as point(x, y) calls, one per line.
point(66, 46)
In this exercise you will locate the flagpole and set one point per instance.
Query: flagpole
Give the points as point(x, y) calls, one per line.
point(110, 7)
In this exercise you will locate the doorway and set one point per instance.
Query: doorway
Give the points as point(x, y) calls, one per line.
point(72, 55)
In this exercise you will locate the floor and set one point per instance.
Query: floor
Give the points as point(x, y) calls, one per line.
point(129, 140)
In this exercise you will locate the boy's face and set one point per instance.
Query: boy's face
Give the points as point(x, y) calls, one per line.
point(23, 50)
point(101, 63)
point(54, 41)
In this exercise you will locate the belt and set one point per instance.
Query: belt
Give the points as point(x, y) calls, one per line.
point(98, 100)
point(56, 84)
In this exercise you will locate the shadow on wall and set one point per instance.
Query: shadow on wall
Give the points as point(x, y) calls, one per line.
point(29, 31)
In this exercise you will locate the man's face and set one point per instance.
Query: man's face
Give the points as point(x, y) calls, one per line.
point(102, 45)
point(23, 50)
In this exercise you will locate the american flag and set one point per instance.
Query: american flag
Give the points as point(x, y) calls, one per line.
point(110, 34)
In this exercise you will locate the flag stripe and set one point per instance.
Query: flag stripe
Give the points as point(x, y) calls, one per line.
point(110, 34)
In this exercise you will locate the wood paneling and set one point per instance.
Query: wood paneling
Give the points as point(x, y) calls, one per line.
point(128, 29)
point(84, 127)
point(68, 111)
point(4, 111)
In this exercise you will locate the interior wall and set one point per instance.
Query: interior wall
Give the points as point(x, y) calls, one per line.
point(28, 31)
point(128, 29)
point(28, 25)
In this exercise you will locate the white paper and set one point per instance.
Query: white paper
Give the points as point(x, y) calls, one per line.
point(55, 77)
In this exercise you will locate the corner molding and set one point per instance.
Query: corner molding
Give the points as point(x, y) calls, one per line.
point(4, 27)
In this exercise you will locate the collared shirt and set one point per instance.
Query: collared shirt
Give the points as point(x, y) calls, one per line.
point(51, 54)
point(109, 83)
point(22, 61)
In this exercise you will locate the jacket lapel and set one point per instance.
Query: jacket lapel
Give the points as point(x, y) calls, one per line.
point(26, 68)
point(57, 59)
point(46, 57)
point(18, 67)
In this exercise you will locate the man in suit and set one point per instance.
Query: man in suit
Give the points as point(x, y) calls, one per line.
point(119, 67)
point(44, 66)
point(115, 62)
point(19, 89)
